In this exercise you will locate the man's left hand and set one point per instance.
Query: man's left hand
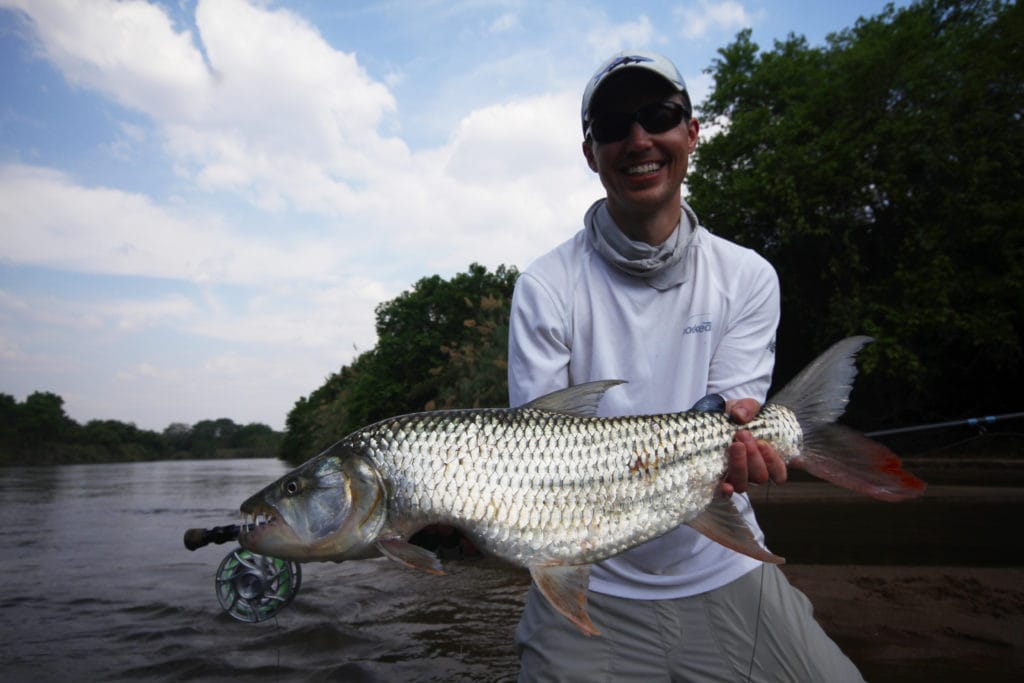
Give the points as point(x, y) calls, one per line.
point(750, 461)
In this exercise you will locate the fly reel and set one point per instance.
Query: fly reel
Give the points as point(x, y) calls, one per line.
point(253, 587)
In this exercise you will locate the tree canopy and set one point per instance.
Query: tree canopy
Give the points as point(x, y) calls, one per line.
point(881, 174)
point(440, 344)
point(37, 431)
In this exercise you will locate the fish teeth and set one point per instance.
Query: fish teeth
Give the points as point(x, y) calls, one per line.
point(254, 521)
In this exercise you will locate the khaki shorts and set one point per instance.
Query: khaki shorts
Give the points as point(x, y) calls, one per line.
point(707, 637)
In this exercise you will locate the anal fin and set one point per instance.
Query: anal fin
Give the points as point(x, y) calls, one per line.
point(723, 523)
point(565, 587)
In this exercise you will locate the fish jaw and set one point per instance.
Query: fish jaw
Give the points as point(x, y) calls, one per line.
point(331, 508)
point(266, 533)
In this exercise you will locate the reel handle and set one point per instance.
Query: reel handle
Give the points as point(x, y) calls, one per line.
point(197, 538)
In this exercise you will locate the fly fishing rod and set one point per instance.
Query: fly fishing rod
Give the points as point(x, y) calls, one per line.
point(250, 587)
point(979, 422)
point(197, 538)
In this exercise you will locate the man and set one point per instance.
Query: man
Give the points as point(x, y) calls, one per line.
point(645, 294)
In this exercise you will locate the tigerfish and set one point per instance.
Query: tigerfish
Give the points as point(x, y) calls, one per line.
point(553, 488)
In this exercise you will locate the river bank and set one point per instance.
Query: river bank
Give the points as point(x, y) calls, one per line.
point(926, 590)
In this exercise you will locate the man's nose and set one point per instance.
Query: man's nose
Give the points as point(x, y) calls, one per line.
point(638, 135)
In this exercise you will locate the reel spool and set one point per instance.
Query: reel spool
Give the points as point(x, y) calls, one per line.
point(253, 587)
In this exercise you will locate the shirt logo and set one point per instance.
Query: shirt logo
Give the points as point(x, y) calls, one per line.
point(698, 328)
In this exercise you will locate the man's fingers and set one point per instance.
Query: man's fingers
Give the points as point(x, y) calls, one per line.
point(757, 467)
point(743, 410)
point(749, 460)
point(776, 466)
point(737, 472)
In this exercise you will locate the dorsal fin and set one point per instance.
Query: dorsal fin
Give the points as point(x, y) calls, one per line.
point(579, 400)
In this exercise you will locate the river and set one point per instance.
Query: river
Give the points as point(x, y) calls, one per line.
point(97, 585)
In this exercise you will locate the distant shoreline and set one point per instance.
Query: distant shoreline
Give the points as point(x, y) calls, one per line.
point(69, 454)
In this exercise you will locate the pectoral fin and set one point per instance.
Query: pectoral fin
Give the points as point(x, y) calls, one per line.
point(565, 587)
point(410, 555)
point(723, 523)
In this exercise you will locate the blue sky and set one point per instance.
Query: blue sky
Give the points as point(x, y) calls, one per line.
point(202, 201)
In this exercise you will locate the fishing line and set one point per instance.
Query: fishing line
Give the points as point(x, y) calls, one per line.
point(277, 668)
point(760, 596)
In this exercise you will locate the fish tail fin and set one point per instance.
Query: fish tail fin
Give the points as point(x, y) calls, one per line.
point(817, 397)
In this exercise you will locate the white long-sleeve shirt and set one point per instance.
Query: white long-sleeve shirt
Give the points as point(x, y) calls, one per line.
point(575, 318)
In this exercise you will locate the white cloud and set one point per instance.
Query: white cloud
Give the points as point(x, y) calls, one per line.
point(285, 121)
point(331, 321)
point(276, 117)
point(133, 315)
point(277, 110)
point(697, 21)
point(248, 355)
point(147, 371)
point(10, 350)
point(243, 387)
point(127, 50)
point(20, 359)
point(124, 145)
point(606, 40)
point(509, 184)
point(49, 220)
point(506, 22)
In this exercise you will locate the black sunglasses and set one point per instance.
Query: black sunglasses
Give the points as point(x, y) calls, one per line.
point(655, 118)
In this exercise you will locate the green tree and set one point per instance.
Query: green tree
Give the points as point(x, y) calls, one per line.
point(41, 419)
point(103, 433)
point(8, 426)
point(254, 440)
point(442, 343)
point(474, 370)
point(251, 435)
point(412, 333)
point(209, 435)
point(38, 432)
point(313, 422)
point(178, 437)
point(881, 175)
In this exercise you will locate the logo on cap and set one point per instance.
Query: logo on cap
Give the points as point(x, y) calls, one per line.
point(621, 61)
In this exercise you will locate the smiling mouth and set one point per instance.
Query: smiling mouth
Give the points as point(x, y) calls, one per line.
point(644, 169)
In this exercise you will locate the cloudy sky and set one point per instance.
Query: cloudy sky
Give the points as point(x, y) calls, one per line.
point(202, 201)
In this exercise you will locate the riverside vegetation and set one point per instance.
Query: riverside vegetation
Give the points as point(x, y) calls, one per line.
point(38, 432)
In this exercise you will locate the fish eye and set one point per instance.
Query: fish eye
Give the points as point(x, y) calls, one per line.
point(292, 486)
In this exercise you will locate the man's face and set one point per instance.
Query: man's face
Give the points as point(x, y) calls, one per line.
point(642, 173)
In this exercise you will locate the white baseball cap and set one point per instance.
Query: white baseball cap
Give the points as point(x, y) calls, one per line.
point(647, 61)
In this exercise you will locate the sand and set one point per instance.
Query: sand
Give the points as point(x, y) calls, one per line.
point(900, 623)
point(931, 590)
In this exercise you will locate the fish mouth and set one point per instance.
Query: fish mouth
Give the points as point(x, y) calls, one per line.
point(258, 523)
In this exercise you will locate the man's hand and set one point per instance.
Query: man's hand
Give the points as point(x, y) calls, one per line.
point(750, 461)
